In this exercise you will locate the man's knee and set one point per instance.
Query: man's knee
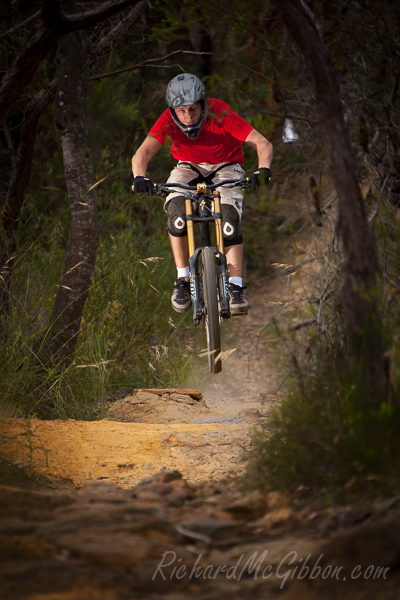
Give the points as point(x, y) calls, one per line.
point(231, 228)
point(176, 216)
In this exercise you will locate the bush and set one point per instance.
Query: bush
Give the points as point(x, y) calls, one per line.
point(324, 439)
point(327, 438)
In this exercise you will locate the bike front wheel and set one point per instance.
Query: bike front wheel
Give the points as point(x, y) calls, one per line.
point(210, 296)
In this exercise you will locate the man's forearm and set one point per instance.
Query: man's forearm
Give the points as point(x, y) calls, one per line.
point(139, 164)
point(143, 155)
point(263, 148)
point(264, 152)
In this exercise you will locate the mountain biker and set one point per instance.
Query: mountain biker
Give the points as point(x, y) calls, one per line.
point(207, 137)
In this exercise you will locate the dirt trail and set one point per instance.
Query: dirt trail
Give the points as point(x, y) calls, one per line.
point(203, 439)
point(141, 504)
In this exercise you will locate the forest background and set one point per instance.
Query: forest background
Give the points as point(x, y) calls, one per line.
point(85, 264)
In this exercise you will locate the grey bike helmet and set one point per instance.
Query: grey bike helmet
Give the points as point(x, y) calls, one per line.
point(184, 90)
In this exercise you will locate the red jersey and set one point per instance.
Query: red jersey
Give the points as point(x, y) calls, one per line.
point(220, 138)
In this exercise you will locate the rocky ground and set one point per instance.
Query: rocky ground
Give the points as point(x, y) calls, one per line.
point(147, 503)
point(165, 539)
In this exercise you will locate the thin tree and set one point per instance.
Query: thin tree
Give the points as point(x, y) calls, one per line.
point(358, 293)
point(19, 179)
point(81, 252)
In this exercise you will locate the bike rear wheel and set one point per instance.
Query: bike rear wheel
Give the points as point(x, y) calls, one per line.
point(210, 295)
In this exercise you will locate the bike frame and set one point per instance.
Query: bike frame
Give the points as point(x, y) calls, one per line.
point(208, 210)
point(204, 217)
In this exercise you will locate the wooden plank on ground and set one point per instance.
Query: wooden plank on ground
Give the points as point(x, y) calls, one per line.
point(195, 394)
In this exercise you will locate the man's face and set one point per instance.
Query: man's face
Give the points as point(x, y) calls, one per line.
point(189, 115)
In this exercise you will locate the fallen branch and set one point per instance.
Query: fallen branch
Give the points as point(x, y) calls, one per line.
point(195, 394)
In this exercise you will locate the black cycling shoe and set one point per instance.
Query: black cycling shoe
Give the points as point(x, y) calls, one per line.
point(237, 300)
point(180, 298)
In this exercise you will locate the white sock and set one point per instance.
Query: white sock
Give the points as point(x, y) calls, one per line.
point(183, 272)
point(236, 280)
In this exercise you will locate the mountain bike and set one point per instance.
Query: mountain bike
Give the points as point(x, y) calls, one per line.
point(207, 263)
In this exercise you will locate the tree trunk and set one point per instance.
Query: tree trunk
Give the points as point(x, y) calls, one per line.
point(9, 217)
point(80, 256)
point(361, 261)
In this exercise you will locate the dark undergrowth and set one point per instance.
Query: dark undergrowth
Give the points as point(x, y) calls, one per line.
point(333, 437)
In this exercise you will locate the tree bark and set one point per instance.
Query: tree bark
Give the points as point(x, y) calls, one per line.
point(9, 216)
point(80, 256)
point(361, 261)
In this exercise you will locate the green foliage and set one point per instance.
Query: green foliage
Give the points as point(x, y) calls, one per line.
point(113, 115)
point(128, 336)
point(324, 439)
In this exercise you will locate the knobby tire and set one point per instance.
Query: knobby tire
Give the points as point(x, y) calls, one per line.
point(212, 325)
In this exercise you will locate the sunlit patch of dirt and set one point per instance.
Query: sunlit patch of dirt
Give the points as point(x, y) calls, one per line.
point(203, 438)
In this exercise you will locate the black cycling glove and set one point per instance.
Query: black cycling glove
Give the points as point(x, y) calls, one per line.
point(142, 185)
point(260, 177)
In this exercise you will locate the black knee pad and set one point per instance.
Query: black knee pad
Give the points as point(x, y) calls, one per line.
point(231, 228)
point(177, 216)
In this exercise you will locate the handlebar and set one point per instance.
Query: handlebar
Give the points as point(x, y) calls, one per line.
point(165, 188)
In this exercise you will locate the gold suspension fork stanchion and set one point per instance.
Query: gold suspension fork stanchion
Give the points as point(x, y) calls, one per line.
point(218, 222)
point(189, 224)
point(222, 267)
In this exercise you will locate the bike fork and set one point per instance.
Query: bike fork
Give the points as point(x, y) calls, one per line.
point(197, 304)
point(223, 286)
point(222, 267)
point(193, 264)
